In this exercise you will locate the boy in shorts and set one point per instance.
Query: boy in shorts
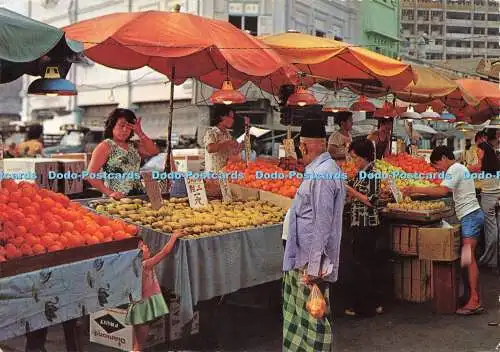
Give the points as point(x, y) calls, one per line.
point(468, 211)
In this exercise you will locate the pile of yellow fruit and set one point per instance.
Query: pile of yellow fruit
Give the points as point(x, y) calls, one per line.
point(408, 204)
point(175, 214)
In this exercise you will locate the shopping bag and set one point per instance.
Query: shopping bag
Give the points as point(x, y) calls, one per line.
point(316, 303)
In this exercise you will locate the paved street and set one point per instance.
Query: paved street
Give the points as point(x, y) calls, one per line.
point(404, 328)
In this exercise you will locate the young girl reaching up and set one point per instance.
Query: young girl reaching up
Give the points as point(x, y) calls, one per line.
point(152, 305)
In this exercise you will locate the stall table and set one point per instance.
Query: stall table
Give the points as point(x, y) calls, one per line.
point(41, 298)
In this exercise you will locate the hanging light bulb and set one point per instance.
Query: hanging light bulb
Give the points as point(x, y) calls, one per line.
point(430, 114)
point(464, 127)
point(301, 97)
point(446, 116)
point(227, 95)
point(410, 114)
point(52, 84)
point(334, 105)
point(363, 105)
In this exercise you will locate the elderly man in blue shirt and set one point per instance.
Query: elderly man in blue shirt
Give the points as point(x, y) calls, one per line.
point(313, 244)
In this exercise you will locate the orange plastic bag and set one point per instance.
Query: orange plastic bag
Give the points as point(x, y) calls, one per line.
point(316, 304)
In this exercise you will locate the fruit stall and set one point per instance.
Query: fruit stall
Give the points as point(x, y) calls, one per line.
point(228, 246)
point(58, 261)
point(426, 248)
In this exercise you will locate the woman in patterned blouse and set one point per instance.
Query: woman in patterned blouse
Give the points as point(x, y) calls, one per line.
point(364, 191)
point(118, 155)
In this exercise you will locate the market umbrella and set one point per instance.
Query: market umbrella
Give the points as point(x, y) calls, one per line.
point(430, 86)
point(28, 46)
point(331, 60)
point(487, 93)
point(181, 46)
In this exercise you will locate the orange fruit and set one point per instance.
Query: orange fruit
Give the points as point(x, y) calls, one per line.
point(38, 249)
point(24, 202)
point(11, 251)
point(57, 246)
point(26, 249)
point(17, 241)
point(54, 227)
point(68, 226)
point(120, 235)
point(106, 230)
point(92, 240)
point(2, 258)
point(9, 185)
point(31, 239)
point(131, 229)
point(21, 230)
point(107, 239)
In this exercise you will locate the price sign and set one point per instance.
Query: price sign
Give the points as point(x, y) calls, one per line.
point(398, 196)
point(196, 192)
point(226, 192)
point(289, 145)
point(153, 190)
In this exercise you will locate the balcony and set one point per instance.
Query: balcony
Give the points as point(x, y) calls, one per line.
point(458, 23)
point(459, 7)
point(436, 48)
point(455, 50)
point(459, 36)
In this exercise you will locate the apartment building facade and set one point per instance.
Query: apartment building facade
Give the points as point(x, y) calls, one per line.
point(450, 29)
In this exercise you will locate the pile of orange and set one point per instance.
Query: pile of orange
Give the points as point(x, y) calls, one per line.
point(412, 164)
point(348, 168)
point(286, 186)
point(35, 221)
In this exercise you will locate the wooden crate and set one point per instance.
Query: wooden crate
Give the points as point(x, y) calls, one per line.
point(446, 278)
point(405, 239)
point(72, 181)
point(439, 244)
point(243, 193)
point(71, 255)
point(35, 170)
point(413, 280)
point(276, 199)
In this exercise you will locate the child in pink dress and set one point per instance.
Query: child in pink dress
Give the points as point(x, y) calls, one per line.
point(152, 305)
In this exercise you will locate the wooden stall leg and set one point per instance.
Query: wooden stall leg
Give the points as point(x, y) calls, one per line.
point(35, 340)
point(72, 336)
point(445, 280)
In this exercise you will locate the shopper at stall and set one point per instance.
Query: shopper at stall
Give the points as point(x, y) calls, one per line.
point(467, 210)
point(253, 148)
point(219, 144)
point(152, 304)
point(312, 247)
point(486, 169)
point(118, 155)
point(33, 145)
point(381, 138)
point(339, 141)
point(471, 155)
point(364, 230)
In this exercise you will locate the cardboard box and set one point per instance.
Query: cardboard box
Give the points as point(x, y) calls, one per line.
point(276, 199)
point(405, 239)
point(34, 170)
point(413, 280)
point(175, 330)
point(71, 170)
point(439, 244)
point(108, 328)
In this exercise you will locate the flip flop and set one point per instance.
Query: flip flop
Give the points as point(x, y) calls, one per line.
point(468, 311)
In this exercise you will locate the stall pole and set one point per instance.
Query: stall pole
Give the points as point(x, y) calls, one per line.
point(169, 130)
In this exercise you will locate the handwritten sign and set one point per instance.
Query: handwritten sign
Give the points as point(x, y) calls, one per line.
point(196, 192)
point(289, 145)
point(227, 196)
point(152, 190)
point(398, 196)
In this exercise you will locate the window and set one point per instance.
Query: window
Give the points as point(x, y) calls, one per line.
point(246, 23)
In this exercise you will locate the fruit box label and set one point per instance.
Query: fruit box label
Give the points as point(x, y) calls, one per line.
point(395, 191)
point(108, 328)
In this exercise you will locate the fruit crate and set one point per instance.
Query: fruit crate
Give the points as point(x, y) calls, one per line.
point(36, 262)
point(420, 216)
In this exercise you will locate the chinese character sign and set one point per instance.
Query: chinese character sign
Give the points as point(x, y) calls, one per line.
point(196, 192)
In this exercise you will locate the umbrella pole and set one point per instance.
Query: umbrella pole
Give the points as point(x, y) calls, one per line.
point(169, 130)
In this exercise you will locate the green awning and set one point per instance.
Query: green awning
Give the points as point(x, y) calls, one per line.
point(24, 41)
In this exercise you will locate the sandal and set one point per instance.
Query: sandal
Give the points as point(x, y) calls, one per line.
point(350, 312)
point(470, 311)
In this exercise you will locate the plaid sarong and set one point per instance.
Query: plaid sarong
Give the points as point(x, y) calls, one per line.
point(302, 332)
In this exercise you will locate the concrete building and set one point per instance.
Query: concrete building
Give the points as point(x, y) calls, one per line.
point(379, 26)
point(101, 89)
point(450, 29)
